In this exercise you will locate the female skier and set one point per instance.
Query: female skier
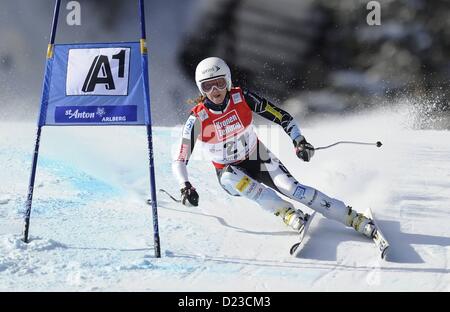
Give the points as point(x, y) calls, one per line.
point(222, 122)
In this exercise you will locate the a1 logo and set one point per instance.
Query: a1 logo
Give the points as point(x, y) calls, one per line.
point(98, 71)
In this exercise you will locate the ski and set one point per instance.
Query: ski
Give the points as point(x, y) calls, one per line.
point(378, 238)
point(297, 247)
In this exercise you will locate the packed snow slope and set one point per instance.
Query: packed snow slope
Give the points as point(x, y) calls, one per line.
point(91, 228)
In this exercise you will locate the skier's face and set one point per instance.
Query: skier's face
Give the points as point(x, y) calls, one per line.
point(216, 96)
point(215, 89)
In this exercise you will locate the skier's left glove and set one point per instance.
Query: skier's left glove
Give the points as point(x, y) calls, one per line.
point(189, 195)
point(303, 149)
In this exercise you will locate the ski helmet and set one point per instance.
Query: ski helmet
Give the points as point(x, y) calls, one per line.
point(210, 68)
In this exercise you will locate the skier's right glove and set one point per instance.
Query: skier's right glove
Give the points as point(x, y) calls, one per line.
point(189, 195)
point(303, 149)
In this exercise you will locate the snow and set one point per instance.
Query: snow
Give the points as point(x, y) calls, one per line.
point(91, 229)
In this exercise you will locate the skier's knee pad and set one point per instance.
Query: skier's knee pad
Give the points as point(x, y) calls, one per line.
point(228, 179)
point(235, 181)
point(329, 207)
point(300, 193)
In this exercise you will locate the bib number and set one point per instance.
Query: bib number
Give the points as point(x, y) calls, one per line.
point(236, 147)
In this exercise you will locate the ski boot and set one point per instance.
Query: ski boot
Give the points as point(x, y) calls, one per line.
point(292, 217)
point(360, 223)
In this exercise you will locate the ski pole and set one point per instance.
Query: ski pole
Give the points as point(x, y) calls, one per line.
point(168, 194)
point(172, 197)
point(377, 144)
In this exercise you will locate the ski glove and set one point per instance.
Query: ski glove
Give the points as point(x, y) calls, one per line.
point(303, 149)
point(189, 195)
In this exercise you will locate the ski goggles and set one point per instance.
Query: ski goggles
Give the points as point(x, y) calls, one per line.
point(207, 85)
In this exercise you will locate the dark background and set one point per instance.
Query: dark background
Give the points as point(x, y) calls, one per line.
point(310, 56)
